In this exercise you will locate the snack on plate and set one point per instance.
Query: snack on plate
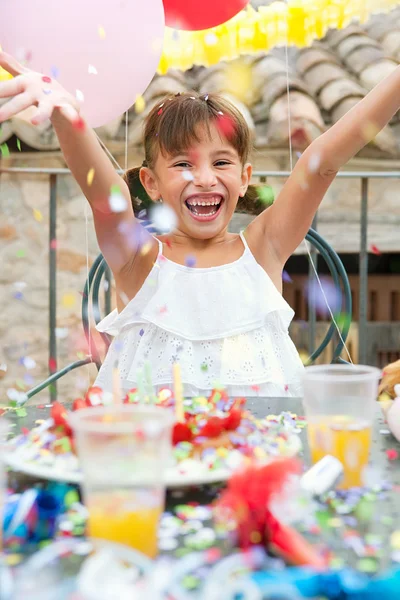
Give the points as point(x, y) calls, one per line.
point(216, 433)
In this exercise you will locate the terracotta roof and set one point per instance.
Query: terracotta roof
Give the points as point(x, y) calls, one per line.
point(325, 81)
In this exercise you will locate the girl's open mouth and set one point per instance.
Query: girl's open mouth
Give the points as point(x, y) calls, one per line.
point(204, 208)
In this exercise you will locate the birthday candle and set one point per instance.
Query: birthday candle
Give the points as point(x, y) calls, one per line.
point(148, 383)
point(178, 390)
point(117, 392)
point(141, 387)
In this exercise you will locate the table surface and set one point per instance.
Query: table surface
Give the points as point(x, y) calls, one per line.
point(384, 470)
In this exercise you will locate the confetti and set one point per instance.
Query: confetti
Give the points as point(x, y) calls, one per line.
point(90, 176)
point(37, 215)
point(46, 79)
point(52, 364)
point(375, 250)
point(69, 300)
point(210, 39)
point(80, 96)
point(140, 104)
point(286, 277)
point(55, 72)
point(101, 32)
point(117, 202)
point(19, 144)
point(145, 249)
point(392, 454)
point(314, 163)
point(4, 151)
point(190, 261)
point(323, 295)
point(21, 253)
point(225, 126)
point(79, 124)
point(163, 218)
point(266, 195)
point(92, 70)
point(187, 176)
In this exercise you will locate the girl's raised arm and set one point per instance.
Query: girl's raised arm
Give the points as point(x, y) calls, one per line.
point(89, 164)
point(286, 222)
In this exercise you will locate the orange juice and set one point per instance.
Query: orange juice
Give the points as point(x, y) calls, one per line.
point(135, 526)
point(346, 438)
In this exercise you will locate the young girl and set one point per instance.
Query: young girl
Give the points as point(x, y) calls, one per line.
point(200, 296)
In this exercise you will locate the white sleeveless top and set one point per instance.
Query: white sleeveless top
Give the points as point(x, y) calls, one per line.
point(225, 325)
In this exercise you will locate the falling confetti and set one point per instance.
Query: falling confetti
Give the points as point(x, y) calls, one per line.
point(92, 70)
point(314, 163)
point(392, 454)
point(80, 96)
point(52, 364)
point(211, 39)
point(20, 253)
point(163, 218)
point(90, 177)
point(140, 104)
point(117, 202)
point(69, 300)
point(55, 72)
point(225, 126)
point(37, 215)
point(190, 260)
point(5, 152)
point(19, 144)
point(375, 250)
point(286, 277)
point(323, 296)
point(46, 79)
point(101, 32)
point(145, 249)
point(266, 194)
point(187, 175)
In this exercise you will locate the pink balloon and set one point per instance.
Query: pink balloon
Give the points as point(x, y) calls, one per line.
point(104, 51)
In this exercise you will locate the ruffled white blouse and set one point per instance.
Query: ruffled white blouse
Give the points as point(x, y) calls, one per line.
point(226, 326)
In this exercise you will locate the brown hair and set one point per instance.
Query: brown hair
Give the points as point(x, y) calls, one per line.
point(171, 127)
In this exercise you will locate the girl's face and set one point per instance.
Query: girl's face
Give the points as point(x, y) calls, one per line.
point(202, 185)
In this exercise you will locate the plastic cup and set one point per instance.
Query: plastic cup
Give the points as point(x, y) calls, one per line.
point(339, 403)
point(123, 451)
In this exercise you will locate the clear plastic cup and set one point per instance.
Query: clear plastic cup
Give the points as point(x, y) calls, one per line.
point(123, 451)
point(339, 403)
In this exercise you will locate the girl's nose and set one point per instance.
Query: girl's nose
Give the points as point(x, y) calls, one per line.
point(205, 177)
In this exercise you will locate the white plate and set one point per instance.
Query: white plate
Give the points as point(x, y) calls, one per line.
point(173, 477)
point(195, 473)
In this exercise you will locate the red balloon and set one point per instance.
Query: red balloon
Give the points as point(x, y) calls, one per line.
point(195, 15)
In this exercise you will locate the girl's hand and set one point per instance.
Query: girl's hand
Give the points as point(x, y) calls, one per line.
point(29, 88)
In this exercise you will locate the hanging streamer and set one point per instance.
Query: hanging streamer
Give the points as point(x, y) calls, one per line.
point(307, 245)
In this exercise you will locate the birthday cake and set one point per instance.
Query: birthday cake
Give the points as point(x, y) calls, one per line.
point(215, 437)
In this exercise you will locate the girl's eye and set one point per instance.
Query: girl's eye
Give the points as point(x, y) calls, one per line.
point(222, 163)
point(182, 164)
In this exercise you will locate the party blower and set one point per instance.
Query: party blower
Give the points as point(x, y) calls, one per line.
point(247, 503)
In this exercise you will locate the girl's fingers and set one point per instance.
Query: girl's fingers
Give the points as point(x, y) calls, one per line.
point(69, 112)
point(12, 87)
point(11, 65)
point(15, 106)
point(44, 112)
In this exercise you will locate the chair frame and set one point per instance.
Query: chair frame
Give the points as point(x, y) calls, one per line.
point(100, 267)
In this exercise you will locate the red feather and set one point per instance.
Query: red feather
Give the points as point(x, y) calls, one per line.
point(246, 501)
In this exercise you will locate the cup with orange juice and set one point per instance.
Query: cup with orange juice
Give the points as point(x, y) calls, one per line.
point(339, 402)
point(123, 451)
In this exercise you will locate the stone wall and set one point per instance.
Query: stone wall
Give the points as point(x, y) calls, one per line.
point(24, 232)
